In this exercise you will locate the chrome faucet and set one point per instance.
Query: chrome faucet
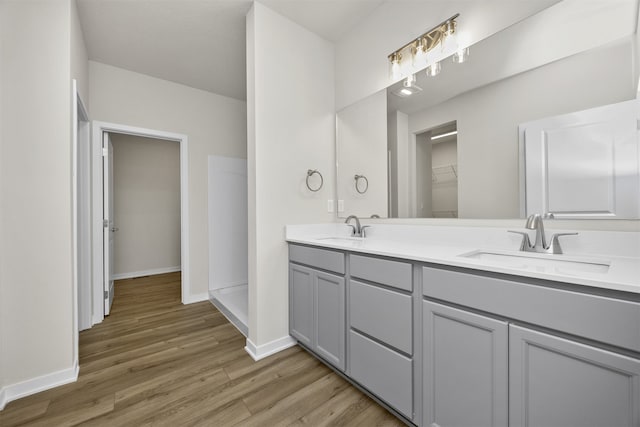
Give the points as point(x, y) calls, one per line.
point(357, 229)
point(535, 222)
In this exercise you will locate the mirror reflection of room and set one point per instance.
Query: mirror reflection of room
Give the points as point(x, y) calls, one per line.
point(437, 192)
point(490, 96)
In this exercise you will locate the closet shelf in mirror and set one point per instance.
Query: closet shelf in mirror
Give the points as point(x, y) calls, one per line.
point(444, 173)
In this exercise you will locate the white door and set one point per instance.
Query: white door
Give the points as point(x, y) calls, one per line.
point(584, 164)
point(109, 226)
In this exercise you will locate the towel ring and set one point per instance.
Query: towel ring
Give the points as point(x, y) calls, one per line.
point(310, 173)
point(357, 178)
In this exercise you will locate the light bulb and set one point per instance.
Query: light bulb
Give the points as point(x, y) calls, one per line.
point(395, 72)
point(461, 55)
point(433, 69)
point(410, 81)
point(420, 55)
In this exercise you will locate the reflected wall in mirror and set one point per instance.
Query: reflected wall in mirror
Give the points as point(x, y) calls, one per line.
point(507, 81)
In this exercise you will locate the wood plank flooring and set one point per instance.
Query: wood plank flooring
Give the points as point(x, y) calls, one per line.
point(154, 361)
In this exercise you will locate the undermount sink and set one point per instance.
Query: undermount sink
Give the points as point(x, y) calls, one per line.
point(539, 262)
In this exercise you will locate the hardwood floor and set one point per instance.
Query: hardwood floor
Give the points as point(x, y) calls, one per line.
point(154, 361)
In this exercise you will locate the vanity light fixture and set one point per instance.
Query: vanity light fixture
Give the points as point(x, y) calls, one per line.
point(422, 52)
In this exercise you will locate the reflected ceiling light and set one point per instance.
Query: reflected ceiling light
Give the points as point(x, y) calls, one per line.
point(407, 91)
point(444, 135)
point(422, 54)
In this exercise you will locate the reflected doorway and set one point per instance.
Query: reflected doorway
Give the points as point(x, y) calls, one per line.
point(437, 172)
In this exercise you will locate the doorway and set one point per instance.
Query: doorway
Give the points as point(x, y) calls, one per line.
point(146, 206)
point(103, 225)
point(437, 172)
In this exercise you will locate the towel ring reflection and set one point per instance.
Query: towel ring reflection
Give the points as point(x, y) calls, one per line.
point(310, 173)
point(357, 178)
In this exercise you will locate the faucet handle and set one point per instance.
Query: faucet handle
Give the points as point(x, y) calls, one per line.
point(362, 232)
point(526, 243)
point(554, 244)
point(353, 229)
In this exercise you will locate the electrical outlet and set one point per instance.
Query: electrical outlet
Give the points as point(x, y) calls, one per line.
point(330, 206)
point(340, 205)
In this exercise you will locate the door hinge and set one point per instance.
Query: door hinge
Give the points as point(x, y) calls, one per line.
point(106, 294)
point(105, 223)
point(105, 152)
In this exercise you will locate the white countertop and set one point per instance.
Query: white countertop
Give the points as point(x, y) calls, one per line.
point(445, 245)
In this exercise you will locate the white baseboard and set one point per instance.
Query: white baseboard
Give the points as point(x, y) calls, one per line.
point(3, 399)
point(143, 273)
point(258, 352)
point(12, 392)
point(217, 286)
point(196, 298)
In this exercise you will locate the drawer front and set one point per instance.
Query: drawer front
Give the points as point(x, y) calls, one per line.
point(316, 257)
point(384, 271)
point(382, 371)
point(382, 314)
point(608, 320)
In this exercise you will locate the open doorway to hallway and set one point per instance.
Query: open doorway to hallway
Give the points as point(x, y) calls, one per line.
point(146, 206)
point(104, 225)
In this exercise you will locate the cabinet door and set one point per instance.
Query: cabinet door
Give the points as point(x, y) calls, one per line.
point(465, 368)
point(301, 303)
point(558, 382)
point(330, 318)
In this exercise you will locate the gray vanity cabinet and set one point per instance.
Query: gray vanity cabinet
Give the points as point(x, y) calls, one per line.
point(560, 382)
point(301, 284)
point(465, 368)
point(381, 329)
point(317, 302)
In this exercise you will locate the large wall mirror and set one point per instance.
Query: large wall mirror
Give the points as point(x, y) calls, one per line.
point(452, 149)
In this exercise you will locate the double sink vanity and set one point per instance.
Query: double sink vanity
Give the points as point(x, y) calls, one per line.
point(455, 326)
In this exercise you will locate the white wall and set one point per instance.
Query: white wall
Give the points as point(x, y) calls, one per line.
point(362, 150)
point(488, 118)
point(291, 128)
point(214, 124)
point(35, 189)
point(79, 57)
point(228, 252)
point(146, 180)
point(3, 379)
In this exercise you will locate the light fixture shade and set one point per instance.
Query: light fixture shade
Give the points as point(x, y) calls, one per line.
point(433, 69)
point(395, 70)
point(449, 43)
point(410, 80)
point(419, 54)
point(461, 55)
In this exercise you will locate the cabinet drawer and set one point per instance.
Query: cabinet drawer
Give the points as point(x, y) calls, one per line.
point(316, 257)
point(608, 320)
point(384, 271)
point(382, 314)
point(382, 371)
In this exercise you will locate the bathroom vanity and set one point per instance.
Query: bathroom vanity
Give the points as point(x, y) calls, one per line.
point(443, 337)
